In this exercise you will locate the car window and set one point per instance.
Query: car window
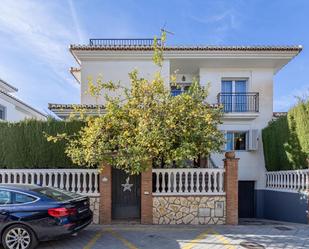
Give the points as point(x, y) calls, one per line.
point(57, 194)
point(22, 198)
point(5, 197)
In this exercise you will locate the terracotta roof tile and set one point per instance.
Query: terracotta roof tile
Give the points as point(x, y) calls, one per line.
point(52, 106)
point(185, 48)
point(74, 69)
point(72, 106)
point(279, 114)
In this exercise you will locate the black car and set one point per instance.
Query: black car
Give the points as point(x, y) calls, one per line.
point(30, 213)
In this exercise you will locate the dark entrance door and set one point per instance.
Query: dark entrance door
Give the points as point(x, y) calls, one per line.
point(126, 195)
point(246, 199)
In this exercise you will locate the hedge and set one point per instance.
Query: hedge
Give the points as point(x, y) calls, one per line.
point(23, 144)
point(286, 140)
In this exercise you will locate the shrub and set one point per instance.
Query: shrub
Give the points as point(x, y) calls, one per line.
point(24, 145)
point(286, 140)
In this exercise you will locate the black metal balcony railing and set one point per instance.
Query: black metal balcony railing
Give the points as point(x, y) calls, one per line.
point(239, 102)
point(123, 42)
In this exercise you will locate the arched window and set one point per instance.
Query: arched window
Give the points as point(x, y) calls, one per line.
point(2, 112)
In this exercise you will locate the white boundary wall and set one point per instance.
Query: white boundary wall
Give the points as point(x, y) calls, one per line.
point(83, 181)
point(288, 180)
point(190, 181)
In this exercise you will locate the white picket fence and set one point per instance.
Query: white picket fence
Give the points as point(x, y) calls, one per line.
point(288, 181)
point(190, 181)
point(83, 181)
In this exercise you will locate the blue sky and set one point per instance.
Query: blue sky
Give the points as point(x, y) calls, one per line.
point(35, 36)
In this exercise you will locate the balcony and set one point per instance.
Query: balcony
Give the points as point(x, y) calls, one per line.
point(239, 102)
point(180, 88)
point(176, 92)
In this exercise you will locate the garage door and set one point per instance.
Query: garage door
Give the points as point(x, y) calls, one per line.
point(246, 199)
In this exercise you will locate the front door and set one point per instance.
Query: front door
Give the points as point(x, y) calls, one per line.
point(246, 199)
point(126, 195)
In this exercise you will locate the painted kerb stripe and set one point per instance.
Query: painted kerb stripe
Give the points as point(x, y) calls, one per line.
point(95, 238)
point(226, 242)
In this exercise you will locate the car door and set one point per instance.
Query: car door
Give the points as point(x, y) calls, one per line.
point(5, 202)
point(22, 207)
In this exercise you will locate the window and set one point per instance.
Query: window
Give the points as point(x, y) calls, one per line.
point(8, 197)
point(234, 95)
point(22, 198)
point(236, 140)
point(2, 112)
point(5, 197)
point(234, 86)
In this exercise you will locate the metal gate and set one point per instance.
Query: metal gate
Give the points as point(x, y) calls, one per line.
point(126, 195)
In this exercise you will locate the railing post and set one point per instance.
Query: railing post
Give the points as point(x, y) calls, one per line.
point(106, 195)
point(231, 187)
point(123, 42)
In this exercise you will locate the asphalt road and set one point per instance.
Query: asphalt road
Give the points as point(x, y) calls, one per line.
point(258, 235)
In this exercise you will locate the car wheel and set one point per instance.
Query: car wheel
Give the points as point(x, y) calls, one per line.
point(19, 237)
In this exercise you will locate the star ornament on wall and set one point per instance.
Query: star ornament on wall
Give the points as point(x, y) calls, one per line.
point(127, 186)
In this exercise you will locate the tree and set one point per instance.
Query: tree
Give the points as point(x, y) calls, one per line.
point(145, 124)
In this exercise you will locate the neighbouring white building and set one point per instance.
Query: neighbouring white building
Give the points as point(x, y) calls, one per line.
point(241, 78)
point(13, 109)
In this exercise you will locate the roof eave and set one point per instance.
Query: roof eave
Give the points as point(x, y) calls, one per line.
point(169, 55)
point(187, 48)
point(28, 107)
point(8, 87)
point(67, 112)
point(297, 53)
point(73, 72)
point(81, 52)
point(74, 56)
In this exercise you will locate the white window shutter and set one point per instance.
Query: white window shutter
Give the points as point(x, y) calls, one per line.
point(253, 139)
point(247, 140)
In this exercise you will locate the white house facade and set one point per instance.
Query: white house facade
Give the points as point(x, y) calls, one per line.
point(13, 109)
point(240, 78)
